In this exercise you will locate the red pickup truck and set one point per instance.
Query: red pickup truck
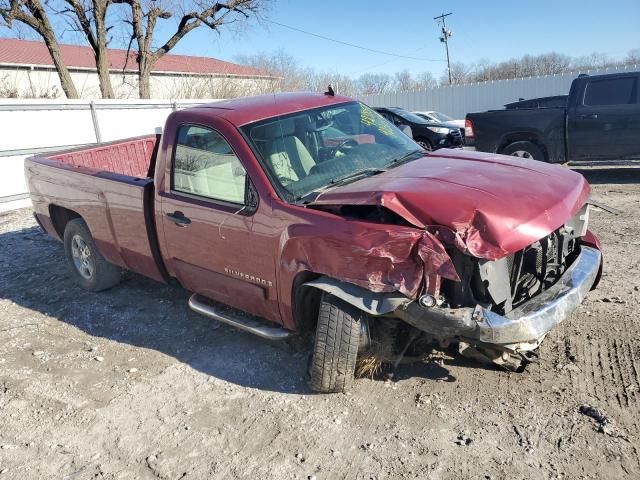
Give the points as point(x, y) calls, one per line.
point(311, 213)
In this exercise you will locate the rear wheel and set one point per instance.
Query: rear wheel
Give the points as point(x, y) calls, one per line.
point(524, 149)
point(87, 265)
point(336, 345)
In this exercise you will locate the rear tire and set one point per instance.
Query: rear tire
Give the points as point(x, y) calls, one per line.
point(336, 344)
point(86, 264)
point(524, 149)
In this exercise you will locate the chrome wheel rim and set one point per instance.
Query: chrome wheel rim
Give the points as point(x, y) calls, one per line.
point(424, 145)
point(522, 154)
point(81, 255)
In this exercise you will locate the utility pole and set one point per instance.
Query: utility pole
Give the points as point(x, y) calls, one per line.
point(445, 39)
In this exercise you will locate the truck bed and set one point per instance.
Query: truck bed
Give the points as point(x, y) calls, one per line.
point(111, 187)
point(132, 157)
point(495, 129)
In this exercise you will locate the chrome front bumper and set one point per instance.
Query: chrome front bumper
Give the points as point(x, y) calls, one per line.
point(528, 323)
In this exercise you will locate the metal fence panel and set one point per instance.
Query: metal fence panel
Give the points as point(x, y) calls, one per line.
point(458, 100)
point(34, 126)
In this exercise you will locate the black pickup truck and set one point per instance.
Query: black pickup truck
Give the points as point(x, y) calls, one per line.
point(599, 122)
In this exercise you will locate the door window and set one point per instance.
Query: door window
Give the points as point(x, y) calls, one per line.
point(388, 116)
point(205, 165)
point(615, 91)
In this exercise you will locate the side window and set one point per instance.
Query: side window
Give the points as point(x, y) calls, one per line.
point(616, 91)
point(389, 117)
point(205, 165)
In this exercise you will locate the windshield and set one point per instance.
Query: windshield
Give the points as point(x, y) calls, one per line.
point(310, 150)
point(441, 117)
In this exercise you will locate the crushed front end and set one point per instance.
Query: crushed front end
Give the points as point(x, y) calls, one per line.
point(501, 310)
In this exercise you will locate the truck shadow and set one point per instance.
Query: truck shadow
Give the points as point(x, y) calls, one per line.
point(144, 313)
point(610, 175)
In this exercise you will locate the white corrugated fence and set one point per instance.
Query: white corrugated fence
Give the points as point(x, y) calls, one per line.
point(35, 126)
point(458, 100)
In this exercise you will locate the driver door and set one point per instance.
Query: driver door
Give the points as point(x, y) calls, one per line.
point(209, 227)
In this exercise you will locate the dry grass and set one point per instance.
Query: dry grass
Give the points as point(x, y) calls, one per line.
point(370, 363)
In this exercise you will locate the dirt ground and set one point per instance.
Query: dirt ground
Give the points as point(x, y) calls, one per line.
point(130, 384)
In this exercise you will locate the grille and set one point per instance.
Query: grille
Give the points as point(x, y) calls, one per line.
point(455, 137)
point(538, 266)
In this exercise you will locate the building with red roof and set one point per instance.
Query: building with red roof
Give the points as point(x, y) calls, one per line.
point(26, 70)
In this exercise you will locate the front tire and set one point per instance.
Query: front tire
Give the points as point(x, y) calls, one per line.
point(424, 143)
point(524, 149)
point(86, 264)
point(336, 344)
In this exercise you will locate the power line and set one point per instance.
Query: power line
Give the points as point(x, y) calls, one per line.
point(381, 52)
point(355, 72)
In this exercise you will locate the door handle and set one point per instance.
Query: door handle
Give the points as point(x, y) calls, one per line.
point(179, 219)
point(590, 116)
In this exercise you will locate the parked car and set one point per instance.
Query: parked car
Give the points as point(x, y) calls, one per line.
point(442, 118)
point(311, 213)
point(430, 136)
point(600, 121)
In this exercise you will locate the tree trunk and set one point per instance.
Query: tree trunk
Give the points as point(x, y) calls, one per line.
point(63, 72)
point(102, 66)
point(144, 78)
point(100, 53)
point(36, 18)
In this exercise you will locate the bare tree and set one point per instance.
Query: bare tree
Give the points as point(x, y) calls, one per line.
point(290, 76)
point(279, 64)
point(633, 57)
point(425, 81)
point(460, 73)
point(145, 15)
point(371, 83)
point(404, 82)
point(89, 18)
point(19, 30)
point(33, 14)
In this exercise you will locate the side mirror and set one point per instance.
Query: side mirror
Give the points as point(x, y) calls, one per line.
point(251, 199)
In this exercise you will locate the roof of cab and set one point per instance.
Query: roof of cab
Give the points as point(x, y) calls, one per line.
point(244, 110)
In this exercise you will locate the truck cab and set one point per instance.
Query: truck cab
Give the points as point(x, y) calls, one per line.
point(603, 117)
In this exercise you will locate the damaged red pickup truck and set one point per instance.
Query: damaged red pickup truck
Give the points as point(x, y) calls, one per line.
point(311, 213)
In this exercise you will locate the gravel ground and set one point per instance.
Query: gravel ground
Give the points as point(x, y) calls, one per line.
point(130, 384)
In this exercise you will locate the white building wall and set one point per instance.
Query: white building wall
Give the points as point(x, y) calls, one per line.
point(44, 83)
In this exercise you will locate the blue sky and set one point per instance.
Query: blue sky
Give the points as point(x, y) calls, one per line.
point(494, 30)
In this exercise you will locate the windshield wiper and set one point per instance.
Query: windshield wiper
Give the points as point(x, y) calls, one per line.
point(406, 157)
point(355, 175)
point(334, 182)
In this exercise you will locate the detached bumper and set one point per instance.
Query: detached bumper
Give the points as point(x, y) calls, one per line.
point(529, 322)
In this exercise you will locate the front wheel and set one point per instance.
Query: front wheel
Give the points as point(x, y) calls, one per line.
point(87, 265)
point(335, 349)
point(424, 143)
point(524, 149)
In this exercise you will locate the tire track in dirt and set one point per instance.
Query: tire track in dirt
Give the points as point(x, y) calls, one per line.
point(621, 369)
point(634, 369)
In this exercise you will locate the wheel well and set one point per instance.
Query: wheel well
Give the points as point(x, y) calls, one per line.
point(60, 216)
point(306, 302)
point(523, 137)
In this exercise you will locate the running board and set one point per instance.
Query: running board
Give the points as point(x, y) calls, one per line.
point(605, 163)
point(244, 322)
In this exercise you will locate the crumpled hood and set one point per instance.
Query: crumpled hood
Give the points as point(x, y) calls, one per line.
point(489, 205)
